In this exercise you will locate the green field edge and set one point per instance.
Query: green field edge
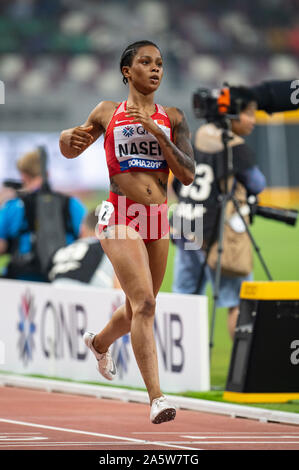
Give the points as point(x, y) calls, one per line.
point(291, 406)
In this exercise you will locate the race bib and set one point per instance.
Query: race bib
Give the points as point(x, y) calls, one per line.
point(105, 213)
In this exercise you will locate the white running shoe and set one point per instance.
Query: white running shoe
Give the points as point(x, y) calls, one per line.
point(162, 410)
point(106, 365)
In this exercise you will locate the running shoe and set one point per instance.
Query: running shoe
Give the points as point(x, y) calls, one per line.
point(106, 365)
point(162, 410)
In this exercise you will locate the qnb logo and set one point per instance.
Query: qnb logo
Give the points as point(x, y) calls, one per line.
point(2, 93)
point(295, 93)
point(26, 327)
point(295, 354)
point(128, 131)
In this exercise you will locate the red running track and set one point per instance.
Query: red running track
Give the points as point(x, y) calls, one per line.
point(40, 420)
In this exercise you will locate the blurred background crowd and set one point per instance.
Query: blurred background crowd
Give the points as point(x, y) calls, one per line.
point(59, 58)
point(53, 51)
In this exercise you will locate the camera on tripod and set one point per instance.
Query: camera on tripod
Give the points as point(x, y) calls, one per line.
point(272, 96)
point(232, 207)
point(215, 104)
point(218, 105)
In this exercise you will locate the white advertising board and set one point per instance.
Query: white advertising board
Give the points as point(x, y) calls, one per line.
point(41, 329)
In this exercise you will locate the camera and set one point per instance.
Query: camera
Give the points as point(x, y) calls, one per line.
point(288, 216)
point(218, 105)
point(13, 184)
point(272, 96)
point(215, 104)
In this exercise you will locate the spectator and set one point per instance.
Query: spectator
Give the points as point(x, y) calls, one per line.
point(17, 235)
point(205, 190)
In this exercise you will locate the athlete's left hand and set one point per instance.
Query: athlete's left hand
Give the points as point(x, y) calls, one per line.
point(143, 118)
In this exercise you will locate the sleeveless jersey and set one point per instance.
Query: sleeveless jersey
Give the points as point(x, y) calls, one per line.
point(129, 147)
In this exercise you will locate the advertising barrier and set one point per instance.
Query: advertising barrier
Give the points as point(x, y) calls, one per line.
point(41, 329)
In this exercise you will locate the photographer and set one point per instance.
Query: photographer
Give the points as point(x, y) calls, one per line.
point(19, 222)
point(191, 273)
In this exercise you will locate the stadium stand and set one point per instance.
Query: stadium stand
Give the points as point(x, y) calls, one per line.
point(196, 39)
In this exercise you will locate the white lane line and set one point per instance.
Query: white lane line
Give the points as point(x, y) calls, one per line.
point(75, 444)
point(247, 442)
point(18, 434)
point(122, 443)
point(240, 437)
point(22, 439)
point(88, 443)
point(111, 444)
point(89, 433)
point(220, 433)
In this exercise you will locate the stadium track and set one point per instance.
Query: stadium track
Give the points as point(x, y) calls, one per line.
point(41, 420)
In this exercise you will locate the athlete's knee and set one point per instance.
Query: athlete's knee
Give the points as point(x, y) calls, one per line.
point(145, 306)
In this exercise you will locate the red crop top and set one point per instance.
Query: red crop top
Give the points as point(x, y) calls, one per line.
point(129, 147)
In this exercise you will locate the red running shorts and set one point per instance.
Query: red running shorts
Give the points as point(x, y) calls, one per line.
point(150, 221)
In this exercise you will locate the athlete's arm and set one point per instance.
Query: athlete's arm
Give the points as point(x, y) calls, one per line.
point(74, 141)
point(179, 154)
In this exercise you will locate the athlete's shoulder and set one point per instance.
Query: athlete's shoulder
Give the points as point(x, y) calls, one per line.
point(101, 114)
point(104, 107)
point(176, 115)
point(172, 111)
point(109, 104)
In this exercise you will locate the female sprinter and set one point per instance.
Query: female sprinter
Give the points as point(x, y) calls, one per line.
point(143, 140)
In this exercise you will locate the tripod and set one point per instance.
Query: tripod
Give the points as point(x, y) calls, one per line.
point(225, 196)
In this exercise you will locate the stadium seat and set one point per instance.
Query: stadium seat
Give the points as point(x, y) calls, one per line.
point(205, 68)
point(83, 68)
point(11, 67)
point(284, 66)
point(75, 22)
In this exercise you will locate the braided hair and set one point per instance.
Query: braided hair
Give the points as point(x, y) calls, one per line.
point(130, 52)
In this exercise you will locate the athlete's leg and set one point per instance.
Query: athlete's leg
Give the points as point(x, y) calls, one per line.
point(120, 323)
point(142, 332)
point(132, 267)
point(158, 253)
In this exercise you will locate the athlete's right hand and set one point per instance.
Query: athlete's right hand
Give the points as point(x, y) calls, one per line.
point(74, 141)
point(80, 138)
